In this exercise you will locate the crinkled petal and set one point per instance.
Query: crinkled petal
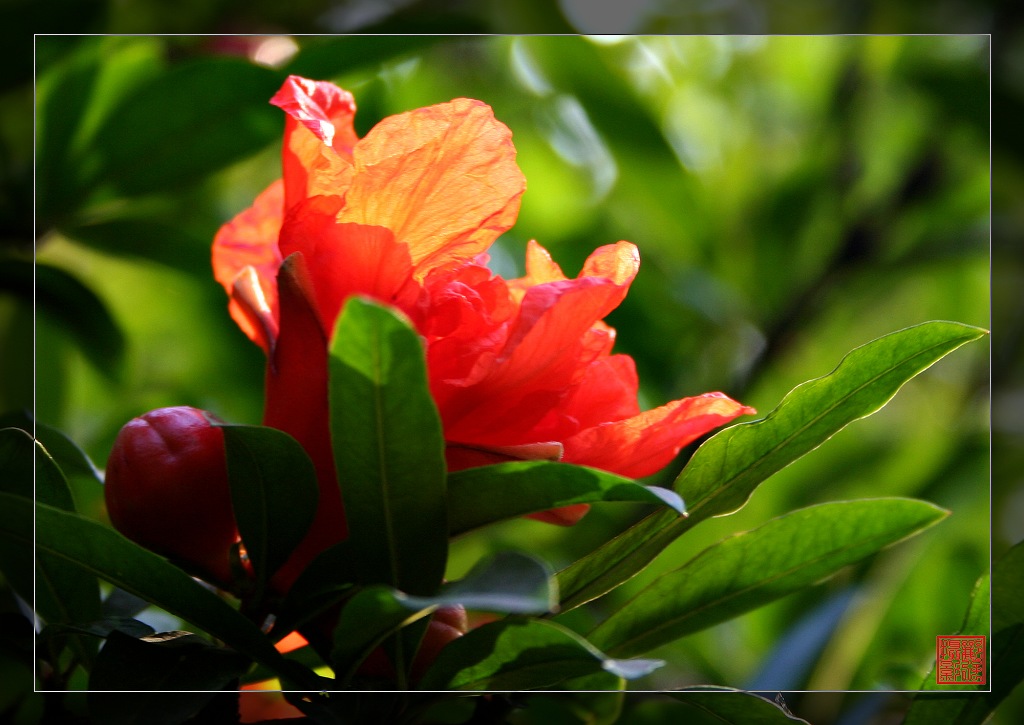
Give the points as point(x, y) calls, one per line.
point(318, 138)
point(443, 179)
point(646, 443)
point(347, 259)
point(250, 241)
point(556, 335)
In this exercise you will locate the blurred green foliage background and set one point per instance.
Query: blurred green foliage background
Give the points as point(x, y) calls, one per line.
point(792, 198)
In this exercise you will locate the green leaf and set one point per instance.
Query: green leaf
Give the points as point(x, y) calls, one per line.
point(509, 583)
point(365, 622)
point(725, 706)
point(317, 590)
point(330, 56)
point(170, 662)
point(726, 469)
point(388, 450)
point(517, 654)
point(99, 551)
point(193, 120)
point(71, 459)
point(1006, 651)
point(73, 306)
point(479, 496)
point(62, 594)
point(754, 568)
point(274, 494)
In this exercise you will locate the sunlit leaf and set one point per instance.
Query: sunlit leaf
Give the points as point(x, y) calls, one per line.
point(388, 449)
point(479, 496)
point(750, 570)
point(722, 474)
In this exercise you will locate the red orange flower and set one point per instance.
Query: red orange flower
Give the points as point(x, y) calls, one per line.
point(518, 368)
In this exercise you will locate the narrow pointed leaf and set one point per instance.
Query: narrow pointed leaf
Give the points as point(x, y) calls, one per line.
point(102, 552)
point(726, 469)
point(725, 706)
point(274, 494)
point(365, 622)
point(509, 583)
point(480, 496)
point(61, 594)
point(933, 706)
point(388, 449)
point(754, 568)
point(517, 654)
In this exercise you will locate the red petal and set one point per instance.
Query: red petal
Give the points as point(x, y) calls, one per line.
point(319, 137)
point(646, 443)
point(296, 403)
point(565, 516)
point(550, 345)
point(443, 179)
point(250, 240)
point(347, 259)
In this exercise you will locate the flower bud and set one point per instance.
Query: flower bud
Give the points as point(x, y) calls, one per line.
point(167, 489)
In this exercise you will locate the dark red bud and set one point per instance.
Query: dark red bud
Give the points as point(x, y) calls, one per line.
point(167, 489)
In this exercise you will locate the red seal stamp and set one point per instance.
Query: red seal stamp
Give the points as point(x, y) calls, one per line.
point(960, 660)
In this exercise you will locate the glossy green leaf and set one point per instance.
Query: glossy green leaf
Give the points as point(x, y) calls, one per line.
point(169, 662)
point(518, 654)
point(509, 583)
point(388, 450)
point(932, 706)
point(274, 494)
point(102, 552)
point(726, 469)
point(193, 120)
point(750, 570)
point(725, 706)
point(479, 496)
point(77, 309)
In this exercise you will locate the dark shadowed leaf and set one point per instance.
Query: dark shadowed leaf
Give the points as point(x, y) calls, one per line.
point(169, 662)
point(723, 706)
point(102, 552)
point(517, 654)
point(71, 305)
point(273, 493)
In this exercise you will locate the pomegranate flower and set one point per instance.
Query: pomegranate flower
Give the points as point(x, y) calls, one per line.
point(519, 369)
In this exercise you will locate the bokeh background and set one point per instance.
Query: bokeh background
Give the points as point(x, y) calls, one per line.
point(792, 197)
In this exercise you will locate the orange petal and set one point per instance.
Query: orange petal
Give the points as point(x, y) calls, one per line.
point(443, 179)
point(347, 259)
point(646, 443)
point(318, 137)
point(564, 516)
point(250, 240)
